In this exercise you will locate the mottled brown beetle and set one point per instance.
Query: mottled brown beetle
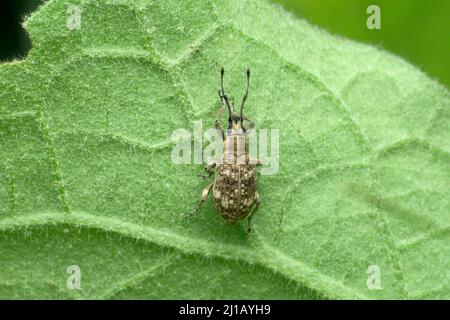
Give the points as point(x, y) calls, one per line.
point(234, 186)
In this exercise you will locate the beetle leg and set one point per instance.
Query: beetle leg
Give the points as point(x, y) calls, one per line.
point(251, 125)
point(203, 198)
point(209, 168)
point(219, 127)
point(254, 209)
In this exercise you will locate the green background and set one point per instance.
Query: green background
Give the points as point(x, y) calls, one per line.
point(416, 30)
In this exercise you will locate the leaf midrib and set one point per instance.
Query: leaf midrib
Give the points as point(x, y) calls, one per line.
point(258, 253)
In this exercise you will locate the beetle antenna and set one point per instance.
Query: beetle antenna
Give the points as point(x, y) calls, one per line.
point(222, 94)
point(246, 93)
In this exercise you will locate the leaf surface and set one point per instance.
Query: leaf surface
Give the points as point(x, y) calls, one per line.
point(87, 179)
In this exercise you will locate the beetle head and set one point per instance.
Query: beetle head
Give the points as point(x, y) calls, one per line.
point(234, 118)
point(235, 121)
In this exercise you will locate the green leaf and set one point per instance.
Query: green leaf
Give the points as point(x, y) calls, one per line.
point(86, 175)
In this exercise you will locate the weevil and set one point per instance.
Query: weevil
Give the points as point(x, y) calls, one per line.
point(235, 180)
